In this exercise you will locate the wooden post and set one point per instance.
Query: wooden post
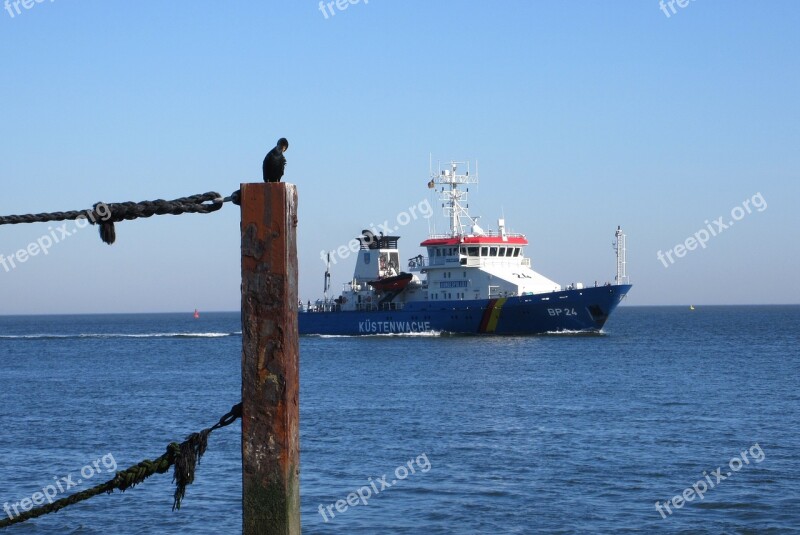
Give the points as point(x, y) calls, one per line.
point(270, 361)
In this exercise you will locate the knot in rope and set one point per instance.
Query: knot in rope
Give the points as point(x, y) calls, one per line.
point(122, 211)
point(184, 457)
point(105, 215)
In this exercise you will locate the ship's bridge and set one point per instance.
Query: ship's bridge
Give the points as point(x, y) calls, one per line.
point(473, 250)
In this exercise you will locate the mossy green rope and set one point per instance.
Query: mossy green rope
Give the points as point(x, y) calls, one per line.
point(184, 457)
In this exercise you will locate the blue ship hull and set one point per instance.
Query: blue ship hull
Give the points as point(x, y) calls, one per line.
point(586, 309)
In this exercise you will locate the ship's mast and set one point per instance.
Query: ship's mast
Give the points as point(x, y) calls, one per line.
point(454, 200)
point(619, 247)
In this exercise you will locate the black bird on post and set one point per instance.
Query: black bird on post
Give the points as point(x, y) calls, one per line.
point(275, 162)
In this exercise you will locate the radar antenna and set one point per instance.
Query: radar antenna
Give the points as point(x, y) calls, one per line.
point(454, 201)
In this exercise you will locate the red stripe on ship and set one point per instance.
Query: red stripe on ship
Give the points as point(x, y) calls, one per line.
point(487, 315)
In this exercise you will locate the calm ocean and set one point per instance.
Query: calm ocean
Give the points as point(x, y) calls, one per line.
point(547, 434)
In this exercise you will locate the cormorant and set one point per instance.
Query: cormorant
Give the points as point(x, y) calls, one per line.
point(275, 162)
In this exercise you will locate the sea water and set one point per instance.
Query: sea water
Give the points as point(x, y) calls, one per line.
point(422, 434)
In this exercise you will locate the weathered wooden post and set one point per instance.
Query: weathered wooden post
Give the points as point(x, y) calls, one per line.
point(270, 361)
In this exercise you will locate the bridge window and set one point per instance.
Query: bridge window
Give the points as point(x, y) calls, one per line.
point(484, 251)
point(509, 251)
point(472, 251)
point(516, 251)
point(493, 251)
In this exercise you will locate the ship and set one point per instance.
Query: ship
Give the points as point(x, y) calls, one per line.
point(472, 281)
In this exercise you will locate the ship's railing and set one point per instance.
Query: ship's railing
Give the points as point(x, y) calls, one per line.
point(496, 293)
point(361, 307)
point(320, 306)
point(416, 264)
point(366, 307)
point(439, 236)
point(485, 233)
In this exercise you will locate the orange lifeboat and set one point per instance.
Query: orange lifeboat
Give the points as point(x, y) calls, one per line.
point(392, 284)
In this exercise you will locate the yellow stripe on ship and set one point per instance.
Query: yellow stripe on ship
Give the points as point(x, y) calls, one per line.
point(493, 319)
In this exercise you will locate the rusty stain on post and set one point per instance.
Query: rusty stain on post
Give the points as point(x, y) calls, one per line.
point(270, 361)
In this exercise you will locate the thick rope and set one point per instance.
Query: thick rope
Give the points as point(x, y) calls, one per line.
point(184, 457)
point(106, 215)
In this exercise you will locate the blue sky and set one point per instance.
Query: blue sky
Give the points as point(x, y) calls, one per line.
point(583, 116)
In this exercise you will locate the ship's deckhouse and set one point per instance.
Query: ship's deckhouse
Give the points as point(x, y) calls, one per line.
point(489, 265)
point(378, 257)
point(476, 250)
